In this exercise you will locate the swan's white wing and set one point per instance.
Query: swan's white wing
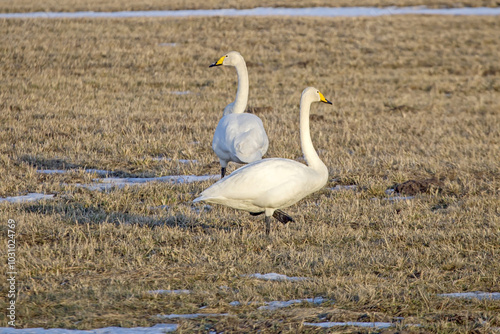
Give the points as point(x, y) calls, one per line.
point(240, 138)
point(269, 183)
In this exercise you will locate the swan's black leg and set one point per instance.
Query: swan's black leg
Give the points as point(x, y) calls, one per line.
point(268, 225)
point(222, 172)
point(282, 217)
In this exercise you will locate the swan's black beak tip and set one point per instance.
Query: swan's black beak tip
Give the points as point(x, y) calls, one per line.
point(212, 65)
point(328, 102)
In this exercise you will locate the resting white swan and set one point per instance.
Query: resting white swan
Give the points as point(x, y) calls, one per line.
point(239, 137)
point(268, 185)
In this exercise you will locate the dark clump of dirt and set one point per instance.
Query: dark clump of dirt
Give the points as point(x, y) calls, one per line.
point(414, 187)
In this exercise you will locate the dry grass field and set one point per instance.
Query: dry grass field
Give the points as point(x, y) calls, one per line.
point(414, 98)
point(119, 5)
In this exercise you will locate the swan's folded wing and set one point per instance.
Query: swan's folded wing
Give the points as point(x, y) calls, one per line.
point(240, 138)
point(250, 146)
point(252, 182)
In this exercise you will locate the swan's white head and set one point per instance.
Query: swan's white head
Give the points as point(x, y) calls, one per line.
point(313, 95)
point(229, 59)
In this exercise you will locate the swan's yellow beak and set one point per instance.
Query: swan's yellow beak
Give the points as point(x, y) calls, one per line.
point(322, 98)
point(219, 62)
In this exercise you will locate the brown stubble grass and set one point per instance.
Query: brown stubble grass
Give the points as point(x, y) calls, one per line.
point(116, 5)
point(414, 97)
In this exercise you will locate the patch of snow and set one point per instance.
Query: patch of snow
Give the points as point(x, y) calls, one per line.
point(167, 44)
point(186, 161)
point(118, 182)
point(182, 161)
point(52, 171)
point(351, 323)
point(191, 316)
point(276, 277)
point(274, 305)
point(340, 187)
point(166, 292)
point(156, 329)
point(398, 198)
point(266, 11)
point(99, 172)
point(473, 295)
point(31, 197)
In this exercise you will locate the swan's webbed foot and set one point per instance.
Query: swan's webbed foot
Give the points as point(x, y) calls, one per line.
point(222, 172)
point(282, 217)
point(256, 213)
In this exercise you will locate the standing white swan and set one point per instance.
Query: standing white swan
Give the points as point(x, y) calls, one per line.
point(239, 137)
point(268, 185)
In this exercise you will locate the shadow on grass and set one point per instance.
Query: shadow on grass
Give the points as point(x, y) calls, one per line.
point(41, 163)
point(79, 213)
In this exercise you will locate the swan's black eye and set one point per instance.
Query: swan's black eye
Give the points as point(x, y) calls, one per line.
point(317, 91)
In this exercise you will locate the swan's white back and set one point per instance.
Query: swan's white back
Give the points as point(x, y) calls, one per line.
point(271, 184)
point(239, 137)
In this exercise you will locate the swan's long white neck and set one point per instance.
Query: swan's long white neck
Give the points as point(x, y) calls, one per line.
point(240, 103)
point(310, 154)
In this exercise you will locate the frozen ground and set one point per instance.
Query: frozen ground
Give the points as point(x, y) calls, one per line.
point(270, 306)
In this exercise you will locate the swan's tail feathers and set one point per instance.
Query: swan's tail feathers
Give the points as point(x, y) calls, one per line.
point(256, 213)
point(198, 199)
point(282, 217)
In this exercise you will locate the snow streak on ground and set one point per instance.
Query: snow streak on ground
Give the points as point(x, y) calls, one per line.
point(350, 323)
point(341, 187)
point(473, 295)
point(191, 316)
point(166, 292)
point(119, 182)
point(100, 172)
point(274, 305)
point(156, 329)
point(31, 197)
point(276, 277)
